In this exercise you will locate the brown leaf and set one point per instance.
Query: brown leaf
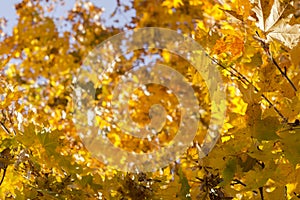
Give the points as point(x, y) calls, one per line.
point(276, 26)
point(287, 34)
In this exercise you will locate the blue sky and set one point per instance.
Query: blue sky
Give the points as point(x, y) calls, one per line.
point(7, 10)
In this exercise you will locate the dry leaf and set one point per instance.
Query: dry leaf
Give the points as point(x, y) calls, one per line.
point(276, 26)
point(287, 34)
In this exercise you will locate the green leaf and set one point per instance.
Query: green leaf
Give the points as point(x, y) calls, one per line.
point(86, 180)
point(229, 171)
point(259, 176)
point(28, 137)
point(265, 129)
point(291, 147)
point(49, 141)
point(185, 187)
point(246, 162)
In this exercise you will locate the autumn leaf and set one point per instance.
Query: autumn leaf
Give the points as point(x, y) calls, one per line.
point(291, 146)
point(265, 129)
point(185, 187)
point(229, 171)
point(258, 148)
point(289, 35)
point(275, 25)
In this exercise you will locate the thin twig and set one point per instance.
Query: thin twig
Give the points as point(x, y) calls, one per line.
point(297, 195)
point(4, 172)
point(265, 46)
point(4, 128)
point(262, 95)
point(283, 73)
point(12, 126)
point(238, 182)
point(2, 123)
point(244, 80)
point(285, 192)
point(261, 191)
point(278, 112)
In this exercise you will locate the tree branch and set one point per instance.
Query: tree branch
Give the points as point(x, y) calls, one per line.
point(283, 73)
point(244, 80)
point(261, 191)
point(4, 128)
point(4, 172)
point(265, 46)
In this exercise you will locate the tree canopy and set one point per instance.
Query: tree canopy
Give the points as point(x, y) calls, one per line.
point(254, 46)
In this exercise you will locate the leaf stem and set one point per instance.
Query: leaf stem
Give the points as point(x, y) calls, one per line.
point(283, 73)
